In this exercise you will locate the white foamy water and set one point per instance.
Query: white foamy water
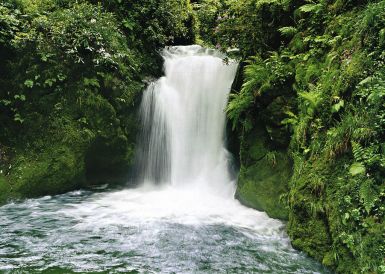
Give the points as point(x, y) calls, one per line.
point(182, 146)
point(184, 122)
point(185, 206)
point(182, 219)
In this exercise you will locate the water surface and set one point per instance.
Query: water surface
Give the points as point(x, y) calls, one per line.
point(144, 231)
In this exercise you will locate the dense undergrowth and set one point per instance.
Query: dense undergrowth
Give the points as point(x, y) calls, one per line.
point(71, 75)
point(314, 82)
point(309, 109)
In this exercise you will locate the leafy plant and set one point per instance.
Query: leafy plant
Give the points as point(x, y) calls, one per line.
point(356, 169)
point(288, 31)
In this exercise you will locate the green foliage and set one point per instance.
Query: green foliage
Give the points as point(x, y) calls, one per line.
point(311, 100)
point(288, 31)
point(338, 106)
point(311, 8)
point(71, 77)
point(149, 25)
point(349, 136)
point(208, 13)
point(263, 79)
point(325, 64)
point(9, 23)
point(238, 105)
point(255, 75)
point(248, 25)
point(372, 25)
point(357, 168)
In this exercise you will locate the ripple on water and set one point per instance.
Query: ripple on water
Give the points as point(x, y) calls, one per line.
point(144, 231)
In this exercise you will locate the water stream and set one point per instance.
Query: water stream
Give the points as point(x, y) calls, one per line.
point(182, 219)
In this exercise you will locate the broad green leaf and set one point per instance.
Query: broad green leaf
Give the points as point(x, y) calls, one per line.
point(357, 168)
point(5, 102)
point(21, 97)
point(28, 83)
point(338, 106)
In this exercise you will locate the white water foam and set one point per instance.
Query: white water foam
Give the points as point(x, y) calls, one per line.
point(184, 166)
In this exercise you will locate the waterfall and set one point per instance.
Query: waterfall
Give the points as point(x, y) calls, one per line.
point(183, 121)
point(183, 219)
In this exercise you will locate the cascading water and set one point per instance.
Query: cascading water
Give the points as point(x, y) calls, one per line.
point(184, 120)
point(182, 220)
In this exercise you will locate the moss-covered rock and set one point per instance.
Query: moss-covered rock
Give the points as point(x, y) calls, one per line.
point(272, 118)
point(56, 170)
point(66, 165)
point(264, 174)
point(74, 152)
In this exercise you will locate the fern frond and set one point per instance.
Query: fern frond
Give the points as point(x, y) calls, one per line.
point(368, 194)
point(255, 74)
point(312, 99)
point(308, 8)
point(288, 31)
point(358, 152)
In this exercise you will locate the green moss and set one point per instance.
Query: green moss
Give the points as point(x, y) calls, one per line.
point(309, 235)
point(56, 170)
point(329, 259)
point(262, 184)
point(263, 175)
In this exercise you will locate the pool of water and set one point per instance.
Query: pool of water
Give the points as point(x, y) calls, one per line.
point(144, 231)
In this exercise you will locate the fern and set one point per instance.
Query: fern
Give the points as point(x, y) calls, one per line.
point(368, 195)
point(312, 100)
point(311, 8)
point(238, 104)
point(338, 106)
point(358, 152)
point(271, 157)
point(288, 31)
point(291, 119)
point(357, 168)
point(255, 74)
point(363, 133)
point(316, 208)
